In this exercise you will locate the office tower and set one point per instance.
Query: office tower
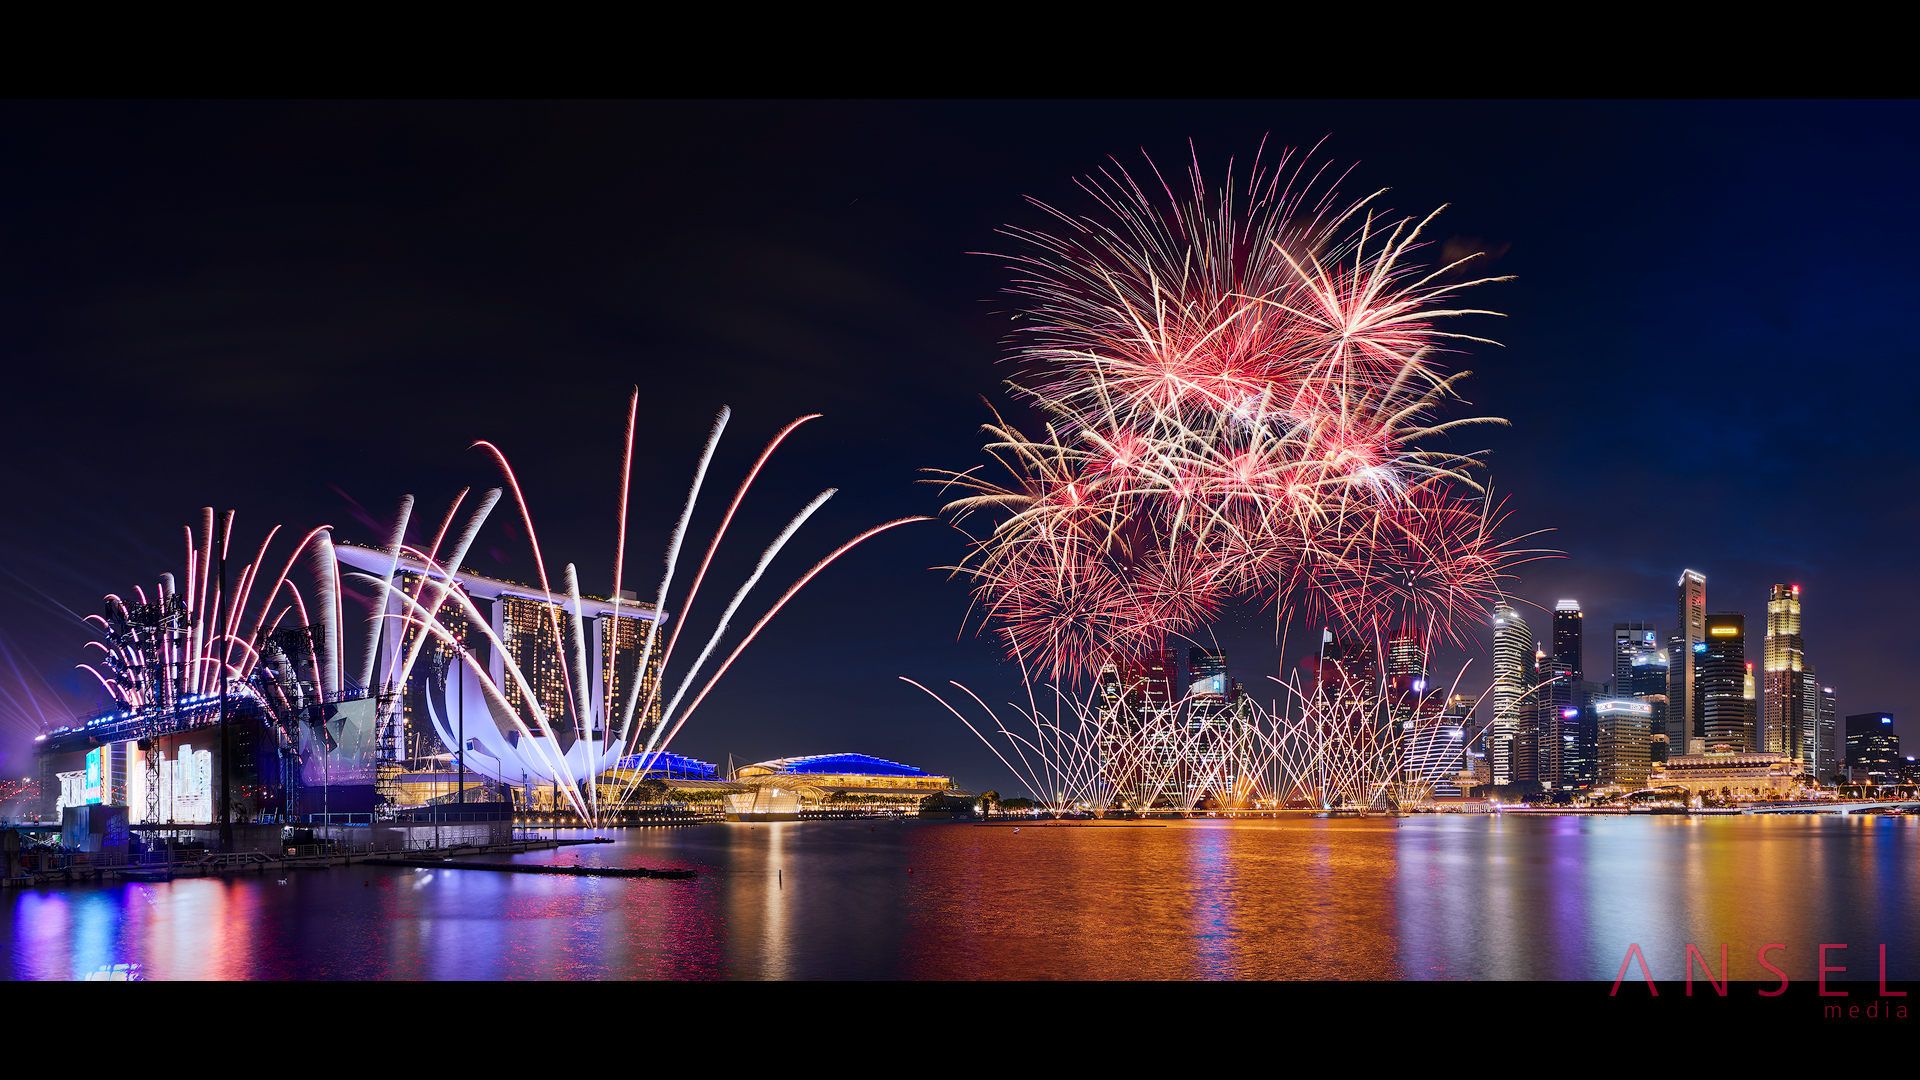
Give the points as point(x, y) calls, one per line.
point(1356, 667)
point(1583, 762)
point(1406, 660)
point(1825, 764)
point(1211, 697)
point(1750, 692)
point(1210, 693)
point(1723, 685)
point(1683, 721)
point(1567, 622)
point(1117, 726)
point(1808, 691)
point(1135, 690)
point(1406, 676)
point(1644, 679)
point(1511, 694)
point(1207, 674)
point(1873, 750)
point(1625, 742)
point(1560, 703)
point(1628, 639)
point(1790, 693)
point(1476, 765)
point(1527, 726)
point(1436, 756)
point(1152, 688)
point(1151, 679)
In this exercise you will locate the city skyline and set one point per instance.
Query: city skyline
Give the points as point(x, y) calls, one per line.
point(191, 264)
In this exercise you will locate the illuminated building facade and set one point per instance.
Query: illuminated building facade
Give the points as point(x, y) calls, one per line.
point(1211, 698)
point(1133, 691)
point(1723, 686)
point(1730, 776)
point(1355, 671)
point(1511, 694)
point(438, 659)
point(622, 640)
point(1437, 758)
point(1827, 763)
point(1640, 667)
point(1625, 743)
point(1560, 705)
point(1690, 629)
point(1476, 765)
point(778, 790)
point(537, 635)
point(1152, 679)
point(1406, 661)
point(1207, 681)
point(1873, 750)
point(1629, 638)
point(1406, 684)
point(1791, 693)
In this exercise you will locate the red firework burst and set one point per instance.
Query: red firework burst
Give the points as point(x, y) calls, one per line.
point(1237, 401)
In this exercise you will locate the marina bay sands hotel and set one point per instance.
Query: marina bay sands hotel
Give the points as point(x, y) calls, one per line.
point(521, 619)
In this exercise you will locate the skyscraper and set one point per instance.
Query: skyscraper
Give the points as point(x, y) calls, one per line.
point(1211, 697)
point(1405, 658)
point(1152, 679)
point(1628, 639)
point(1568, 620)
point(1560, 705)
point(1134, 690)
point(1683, 721)
point(525, 626)
point(1356, 670)
point(1640, 666)
point(1791, 702)
point(1436, 756)
point(1825, 762)
point(1625, 727)
point(1406, 676)
point(1723, 696)
point(1873, 750)
point(1207, 673)
point(1527, 733)
point(1512, 691)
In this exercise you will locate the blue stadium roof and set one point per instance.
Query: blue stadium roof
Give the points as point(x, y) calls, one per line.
point(861, 764)
point(672, 766)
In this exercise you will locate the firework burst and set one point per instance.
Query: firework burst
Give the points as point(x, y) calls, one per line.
point(1240, 399)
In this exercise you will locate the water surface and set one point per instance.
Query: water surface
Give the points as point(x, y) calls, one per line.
point(1447, 897)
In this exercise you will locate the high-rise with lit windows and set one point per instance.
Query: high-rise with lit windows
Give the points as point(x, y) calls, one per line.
point(1511, 694)
point(1790, 693)
point(1827, 759)
point(1625, 731)
point(1690, 629)
point(1873, 750)
point(1723, 685)
point(1558, 731)
point(1640, 666)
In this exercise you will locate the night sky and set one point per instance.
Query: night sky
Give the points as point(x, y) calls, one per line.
point(303, 312)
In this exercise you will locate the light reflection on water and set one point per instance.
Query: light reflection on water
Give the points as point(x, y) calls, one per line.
point(1412, 898)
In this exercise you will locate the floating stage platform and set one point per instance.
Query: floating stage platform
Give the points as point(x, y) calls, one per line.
point(534, 868)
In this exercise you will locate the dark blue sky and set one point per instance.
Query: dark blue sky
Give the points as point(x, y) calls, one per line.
point(1707, 361)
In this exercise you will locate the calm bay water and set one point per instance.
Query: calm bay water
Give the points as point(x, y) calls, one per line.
point(1449, 897)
